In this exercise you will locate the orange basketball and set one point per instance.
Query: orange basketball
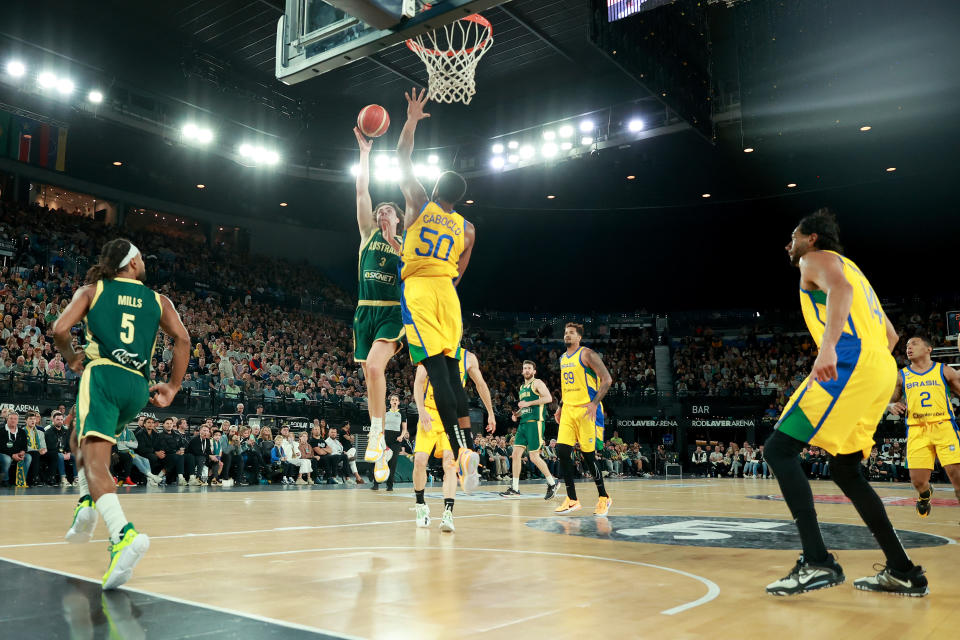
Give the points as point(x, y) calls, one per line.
point(373, 121)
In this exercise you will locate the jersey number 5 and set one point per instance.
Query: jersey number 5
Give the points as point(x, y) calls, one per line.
point(433, 248)
point(126, 328)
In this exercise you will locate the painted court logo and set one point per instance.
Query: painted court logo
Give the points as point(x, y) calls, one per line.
point(892, 501)
point(741, 533)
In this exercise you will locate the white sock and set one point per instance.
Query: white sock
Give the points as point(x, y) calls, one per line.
point(84, 489)
point(550, 478)
point(516, 484)
point(376, 424)
point(112, 514)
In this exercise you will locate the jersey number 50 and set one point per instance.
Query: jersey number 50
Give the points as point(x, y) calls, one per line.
point(434, 246)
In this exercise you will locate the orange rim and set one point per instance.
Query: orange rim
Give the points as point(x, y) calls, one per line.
point(476, 17)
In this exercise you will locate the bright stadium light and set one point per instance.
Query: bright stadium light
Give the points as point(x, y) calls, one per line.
point(381, 160)
point(513, 158)
point(566, 146)
point(433, 172)
point(433, 159)
point(586, 141)
point(245, 150)
point(96, 97)
point(355, 170)
point(513, 144)
point(635, 125)
point(548, 150)
point(497, 148)
point(419, 170)
point(189, 130)
point(65, 86)
point(566, 131)
point(586, 126)
point(47, 80)
point(526, 152)
point(497, 162)
point(16, 68)
point(192, 133)
point(204, 136)
point(271, 157)
point(549, 134)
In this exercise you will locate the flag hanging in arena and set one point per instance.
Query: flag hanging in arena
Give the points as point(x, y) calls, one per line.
point(30, 140)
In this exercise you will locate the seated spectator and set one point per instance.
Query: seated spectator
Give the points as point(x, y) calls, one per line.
point(174, 452)
point(698, 461)
point(338, 456)
point(150, 447)
point(199, 454)
point(13, 450)
point(281, 462)
point(37, 451)
point(324, 465)
point(349, 450)
point(717, 466)
point(128, 458)
point(58, 442)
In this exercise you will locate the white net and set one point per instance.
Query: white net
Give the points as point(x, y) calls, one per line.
point(451, 55)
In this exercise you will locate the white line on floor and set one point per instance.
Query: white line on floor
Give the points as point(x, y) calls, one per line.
point(712, 589)
point(527, 619)
point(239, 533)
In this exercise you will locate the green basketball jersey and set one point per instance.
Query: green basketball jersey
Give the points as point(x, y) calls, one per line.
point(122, 323)
point(531, 414)
point(379, 271)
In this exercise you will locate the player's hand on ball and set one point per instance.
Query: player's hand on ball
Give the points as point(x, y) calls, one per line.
point(425, 421)
point(897, 408)
point(161, 395)
point(365, 145)
point(415, 104)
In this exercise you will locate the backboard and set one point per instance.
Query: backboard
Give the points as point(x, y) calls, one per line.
point(316, 36)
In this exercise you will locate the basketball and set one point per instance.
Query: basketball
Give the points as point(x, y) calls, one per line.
point(373, 121)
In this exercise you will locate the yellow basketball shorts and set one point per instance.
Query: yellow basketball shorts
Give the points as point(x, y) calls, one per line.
point(579, 426)
point(841, 416)
point(430, 309)
point(928, 441)
point(435, 441)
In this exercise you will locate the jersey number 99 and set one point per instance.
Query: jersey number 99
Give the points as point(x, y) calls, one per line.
point(568, 377)
point(433, 247)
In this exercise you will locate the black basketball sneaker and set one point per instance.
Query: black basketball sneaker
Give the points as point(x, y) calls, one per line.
point(903, 583)
point(806, 576)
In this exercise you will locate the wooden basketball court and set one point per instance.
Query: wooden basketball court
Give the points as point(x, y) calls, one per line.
point(674, 559)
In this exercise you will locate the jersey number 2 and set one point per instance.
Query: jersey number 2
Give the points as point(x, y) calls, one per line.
point(126, 328)
point(925, 399)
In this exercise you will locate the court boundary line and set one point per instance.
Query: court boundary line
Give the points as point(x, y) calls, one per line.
point(239, 533)
point(210, 607)
point(713, 590)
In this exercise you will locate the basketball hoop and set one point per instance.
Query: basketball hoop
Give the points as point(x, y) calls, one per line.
point(451, 55)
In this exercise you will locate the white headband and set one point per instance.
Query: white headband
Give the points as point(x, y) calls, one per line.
point(131, 254)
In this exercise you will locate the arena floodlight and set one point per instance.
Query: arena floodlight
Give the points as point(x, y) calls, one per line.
point(586, 126)
point(47, 80)
point(526, 152)
point(566, 131)
point(635, 125)
point(513, 158)
point(433, 159)
point(566, 146)
point(513, 144)
point(497, 148)
point(96, 97)
point(355, 170)
point(204, 136)
point(548, 150)
point(549, 134)
point(381, 160)
point(271, 158)
point(586, 141)
point(497, 162)
point(16, 69)
point(65, 86)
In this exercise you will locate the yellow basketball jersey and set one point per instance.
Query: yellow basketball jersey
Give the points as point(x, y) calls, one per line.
point(927, 395)
point(428, 399)
point(864, 329)
point(433, 244)
point(578, 382)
